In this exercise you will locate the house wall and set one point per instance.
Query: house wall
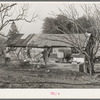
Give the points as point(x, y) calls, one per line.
point(77, 57)
point(79, 60)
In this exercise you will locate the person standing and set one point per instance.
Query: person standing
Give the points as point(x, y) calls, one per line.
point(46, 55)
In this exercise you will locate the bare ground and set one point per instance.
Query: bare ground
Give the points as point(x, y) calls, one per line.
point(51, 76)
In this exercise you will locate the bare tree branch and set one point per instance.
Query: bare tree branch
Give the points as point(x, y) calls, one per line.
point(7, 12)
point(93, 42)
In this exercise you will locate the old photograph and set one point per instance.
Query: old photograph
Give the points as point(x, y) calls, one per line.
point(49, 45)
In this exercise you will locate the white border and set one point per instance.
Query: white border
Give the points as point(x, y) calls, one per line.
point(45, 93)
point(50, 2)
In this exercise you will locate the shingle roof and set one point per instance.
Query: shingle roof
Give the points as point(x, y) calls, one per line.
point(19, 43)
point(24, 42)
point(59, 40)
point(13, 39)
point(28, 38)
point(49, 40)
point(16, 41)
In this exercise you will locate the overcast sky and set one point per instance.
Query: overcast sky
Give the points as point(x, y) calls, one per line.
point(43, 9)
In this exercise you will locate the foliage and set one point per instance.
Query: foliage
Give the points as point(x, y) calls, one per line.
point(65, 25)
point(68, 57)
point(49, 26)
point(13, 29)
point(84, 22)
point(52, 24)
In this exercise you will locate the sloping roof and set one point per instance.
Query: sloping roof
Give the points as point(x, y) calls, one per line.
point(28, 38)
point(13, 39)
point(59, 40)
point(49, 40)
point(16, 41)
point(19, 43)
point(24, 42)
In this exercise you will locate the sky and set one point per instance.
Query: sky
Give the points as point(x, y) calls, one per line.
point(43, 9)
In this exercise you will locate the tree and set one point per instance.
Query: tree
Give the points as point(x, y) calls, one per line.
point(64, 24)
point(84, 22)
point(60, 21)
point(68, 57)
point(93, 38)
point(8, 15)
point(49, 26)
point(13, 29)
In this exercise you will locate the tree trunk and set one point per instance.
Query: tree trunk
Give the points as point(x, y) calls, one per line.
point(19, 53)
point(90, 66)
point(46, 55)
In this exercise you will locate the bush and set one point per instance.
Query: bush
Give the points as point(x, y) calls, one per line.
point(68, 57)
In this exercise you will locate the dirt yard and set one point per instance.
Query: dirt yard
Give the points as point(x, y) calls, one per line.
point(51, 76)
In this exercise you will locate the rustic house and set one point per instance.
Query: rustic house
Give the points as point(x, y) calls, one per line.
point(55, 41)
